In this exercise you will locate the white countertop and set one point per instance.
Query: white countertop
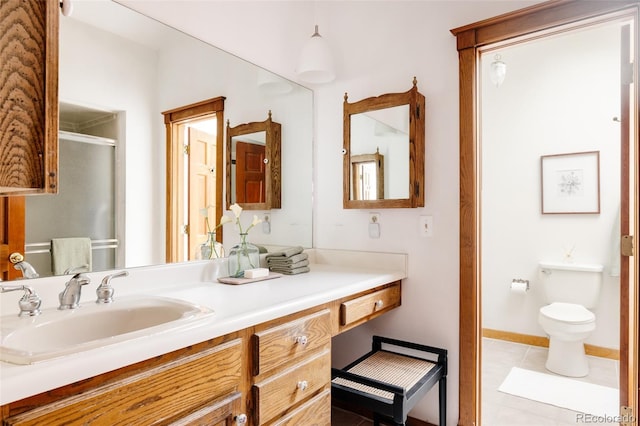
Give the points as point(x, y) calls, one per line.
point(334, 274)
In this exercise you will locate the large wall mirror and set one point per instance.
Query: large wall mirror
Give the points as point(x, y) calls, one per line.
point(119, 70)
point(383, 165)
point(253, 165)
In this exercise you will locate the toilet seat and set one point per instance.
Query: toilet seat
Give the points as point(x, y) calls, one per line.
point(569, 313)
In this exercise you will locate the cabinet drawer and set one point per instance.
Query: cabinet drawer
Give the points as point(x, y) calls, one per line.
point(152, 397)
point(290, 341)
point(315, 412)
point(218, 413)
point(276, 394)
point(369, 304)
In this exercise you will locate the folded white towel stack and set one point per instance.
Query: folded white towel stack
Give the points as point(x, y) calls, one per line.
point(289, 261)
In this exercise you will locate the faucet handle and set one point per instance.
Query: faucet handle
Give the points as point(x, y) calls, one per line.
point(29, 303)
point(105, 290)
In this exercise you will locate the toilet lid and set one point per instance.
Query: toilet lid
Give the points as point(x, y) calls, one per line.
point(568, 312)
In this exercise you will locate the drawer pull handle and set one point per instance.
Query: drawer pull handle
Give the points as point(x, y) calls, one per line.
point(379, 304)
point(302, 340)
point(241, 419)
point(303, 385)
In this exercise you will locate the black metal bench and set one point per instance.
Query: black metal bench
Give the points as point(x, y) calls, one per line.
point(390, 383)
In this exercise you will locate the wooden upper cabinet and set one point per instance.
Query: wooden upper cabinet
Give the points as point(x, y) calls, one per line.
point(29, 96)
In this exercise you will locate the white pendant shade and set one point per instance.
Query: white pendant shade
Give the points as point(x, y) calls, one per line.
point(271, 84)
point(316, 63)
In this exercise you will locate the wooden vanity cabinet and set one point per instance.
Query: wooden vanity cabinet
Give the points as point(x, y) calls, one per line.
point(192, 389)
point(29, 96)
point(291, 368)
point(278, 373)
point(355, 310)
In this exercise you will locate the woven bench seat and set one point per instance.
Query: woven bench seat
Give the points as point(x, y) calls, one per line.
point(390, 383)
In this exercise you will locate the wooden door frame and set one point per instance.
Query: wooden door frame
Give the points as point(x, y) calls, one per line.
point(172, 119)
point(470, 39)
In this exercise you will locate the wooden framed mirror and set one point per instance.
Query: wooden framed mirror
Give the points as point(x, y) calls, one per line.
point(383, 164)
point(253, 165)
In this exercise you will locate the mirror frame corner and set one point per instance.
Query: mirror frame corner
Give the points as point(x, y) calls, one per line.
point(273, 169)
point(416, 102)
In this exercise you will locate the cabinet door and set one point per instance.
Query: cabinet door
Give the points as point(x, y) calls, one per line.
point(220, 413)
point(156, 396)
point(29, 96)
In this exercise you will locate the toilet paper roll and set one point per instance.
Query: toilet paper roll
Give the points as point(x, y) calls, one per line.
point(519, 287)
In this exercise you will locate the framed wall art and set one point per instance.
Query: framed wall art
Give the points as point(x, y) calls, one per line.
point(570, 183)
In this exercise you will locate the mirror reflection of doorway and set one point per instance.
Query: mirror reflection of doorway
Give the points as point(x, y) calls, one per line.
point(194, 176)
point(367, 176)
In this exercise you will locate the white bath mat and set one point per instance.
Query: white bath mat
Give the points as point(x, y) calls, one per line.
point(562, 392)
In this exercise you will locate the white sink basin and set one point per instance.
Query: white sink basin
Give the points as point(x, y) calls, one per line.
point(56, 333)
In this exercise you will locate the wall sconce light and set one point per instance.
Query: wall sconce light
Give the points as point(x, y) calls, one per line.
point(315, 64)
point(498, 71)
point(66, 7)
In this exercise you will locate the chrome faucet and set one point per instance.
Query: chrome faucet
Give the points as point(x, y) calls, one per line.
point(104, 290)
point(23, 266)
point(70, 296)
point(29, 303)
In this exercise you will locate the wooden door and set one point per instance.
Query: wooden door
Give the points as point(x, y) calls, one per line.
point(202, 186)
point(250, 173)
point(11, 233)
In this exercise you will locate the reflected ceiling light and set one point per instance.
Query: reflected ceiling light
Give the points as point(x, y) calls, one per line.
point(271, 84)
point(315, 64)
point(498, 71)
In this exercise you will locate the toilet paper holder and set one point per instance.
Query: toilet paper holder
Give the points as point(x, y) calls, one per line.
point(520, 281)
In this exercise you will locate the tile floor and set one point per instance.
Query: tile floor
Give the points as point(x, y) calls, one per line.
point(501, 409)
point(340, 417)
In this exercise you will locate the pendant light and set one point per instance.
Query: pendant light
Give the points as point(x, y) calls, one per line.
point(315, 64)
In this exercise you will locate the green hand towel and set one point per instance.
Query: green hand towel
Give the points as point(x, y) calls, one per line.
point(70, 253)
point(295, 271)
point(282, 261)
point(288, 252)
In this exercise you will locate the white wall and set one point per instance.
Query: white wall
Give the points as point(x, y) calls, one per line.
point(100, 70)
point(560, 96)
point(378, 47)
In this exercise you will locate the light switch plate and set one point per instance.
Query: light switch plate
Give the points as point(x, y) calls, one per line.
point(425, 226)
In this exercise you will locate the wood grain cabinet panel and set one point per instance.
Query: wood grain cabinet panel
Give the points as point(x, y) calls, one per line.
point(219, 413)
point(365, 306)
point(157, 396)
point(290, 341)
point(275, 395)
point(29, 96)
point(315, 412)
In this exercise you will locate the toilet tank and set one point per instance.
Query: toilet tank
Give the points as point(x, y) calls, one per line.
point(571, 282)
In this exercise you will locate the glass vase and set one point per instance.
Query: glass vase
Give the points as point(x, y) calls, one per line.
point(210, 249)
point(243, 256)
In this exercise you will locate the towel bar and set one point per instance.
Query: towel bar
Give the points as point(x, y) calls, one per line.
point(45, 247)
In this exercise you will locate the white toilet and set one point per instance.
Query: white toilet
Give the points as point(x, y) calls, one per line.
point(571, 289)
